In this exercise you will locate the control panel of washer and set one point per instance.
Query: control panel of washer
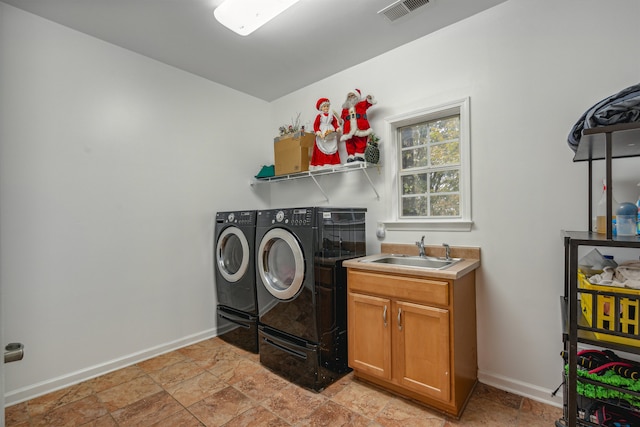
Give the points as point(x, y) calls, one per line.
point(295, 217)
point(240, 218)
point(302, 217)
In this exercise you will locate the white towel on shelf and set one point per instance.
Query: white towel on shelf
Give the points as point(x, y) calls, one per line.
point(626, 275)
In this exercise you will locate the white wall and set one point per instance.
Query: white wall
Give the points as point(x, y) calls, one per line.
point(530, 69)
point(112, 166)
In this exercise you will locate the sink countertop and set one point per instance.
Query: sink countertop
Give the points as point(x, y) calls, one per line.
point(470, 255)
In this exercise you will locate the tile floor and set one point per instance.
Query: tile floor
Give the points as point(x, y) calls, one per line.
point(212, 383)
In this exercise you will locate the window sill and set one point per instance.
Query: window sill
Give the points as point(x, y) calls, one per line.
point(453, 225)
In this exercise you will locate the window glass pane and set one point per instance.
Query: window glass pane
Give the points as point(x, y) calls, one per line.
point(445, 181)
point(447, 205)
point(415, 135)
point(447, 153)
point(415, 206)
point(445, 129)
point(415, 184)
point(415, 157)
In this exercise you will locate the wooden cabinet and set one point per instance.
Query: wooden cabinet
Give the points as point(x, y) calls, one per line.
point(421, 347)
point(369, 334)
point(415, 336)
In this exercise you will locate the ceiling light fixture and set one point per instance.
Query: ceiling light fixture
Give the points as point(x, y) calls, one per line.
point(246, 16)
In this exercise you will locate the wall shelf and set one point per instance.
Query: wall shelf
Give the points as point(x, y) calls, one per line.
point(363, 167)
point(601, 143)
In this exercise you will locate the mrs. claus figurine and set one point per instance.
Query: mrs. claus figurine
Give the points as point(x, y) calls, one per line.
point(325, 150)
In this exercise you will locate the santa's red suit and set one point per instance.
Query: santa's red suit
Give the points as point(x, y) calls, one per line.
point(355, 127)
point(325, 150)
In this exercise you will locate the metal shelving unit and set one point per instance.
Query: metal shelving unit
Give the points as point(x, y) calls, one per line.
point(363, 167)
point(603, 143)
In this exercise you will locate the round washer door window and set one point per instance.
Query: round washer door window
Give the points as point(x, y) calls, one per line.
point(232, 254)
point(281, 263)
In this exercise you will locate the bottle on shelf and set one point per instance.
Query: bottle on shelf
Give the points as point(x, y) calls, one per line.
point(601, 210)
point(638, 221)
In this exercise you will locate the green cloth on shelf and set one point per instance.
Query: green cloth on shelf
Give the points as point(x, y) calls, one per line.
point(611, 378)
point(266, 171)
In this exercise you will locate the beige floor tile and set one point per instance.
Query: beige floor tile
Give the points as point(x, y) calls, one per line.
point(127, 393)
point(182, 418)
point(16, 414)
point(504, 397)
point(148, 411)
point(533, 413)
point(75, 413)
point(194, 389)
point(115, 378)
point(215, 342)
point(331, 414)
point(103, 421)
point(221, 407)
point(178, 372)
point(486, 412)
point(257, 416)
point(403, 413)
point(261, 385)
point(362, 399)
point(48, 402)
point(233, 371)
point(293, 403)
point(161, 361)
point(333, 389)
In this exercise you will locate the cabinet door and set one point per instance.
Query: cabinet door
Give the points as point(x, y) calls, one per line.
point(370, 334)
point(421, 349)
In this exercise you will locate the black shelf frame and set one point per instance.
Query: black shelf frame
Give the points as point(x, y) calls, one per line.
point(596, 144)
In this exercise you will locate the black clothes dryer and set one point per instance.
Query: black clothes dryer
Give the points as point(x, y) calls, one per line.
point(302, 290)
point(234, 252)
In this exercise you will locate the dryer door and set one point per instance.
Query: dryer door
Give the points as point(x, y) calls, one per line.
point(280, 263)
point(232, 254)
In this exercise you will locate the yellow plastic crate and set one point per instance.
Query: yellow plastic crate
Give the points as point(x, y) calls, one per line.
point(605, 311)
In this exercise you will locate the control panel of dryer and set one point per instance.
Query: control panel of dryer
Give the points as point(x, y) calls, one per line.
point(296, 217)
point(240, 218)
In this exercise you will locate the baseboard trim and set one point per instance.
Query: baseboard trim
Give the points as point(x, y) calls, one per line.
point(54, 384)
point(521, 388)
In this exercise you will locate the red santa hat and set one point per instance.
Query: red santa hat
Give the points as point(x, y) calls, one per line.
point(356, 92)
point(320, 102)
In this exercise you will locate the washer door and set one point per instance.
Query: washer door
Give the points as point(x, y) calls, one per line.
point(280, 263)
point(232, 254)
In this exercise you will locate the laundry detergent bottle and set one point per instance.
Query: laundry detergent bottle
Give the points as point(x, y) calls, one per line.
point(601, 210)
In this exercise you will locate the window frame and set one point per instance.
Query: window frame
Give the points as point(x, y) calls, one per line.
point(393, 160)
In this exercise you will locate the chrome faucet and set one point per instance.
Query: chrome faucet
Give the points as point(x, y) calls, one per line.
point(447, 252)
point(420, 246)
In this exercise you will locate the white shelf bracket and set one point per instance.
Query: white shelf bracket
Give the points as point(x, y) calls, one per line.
point(319, 187)
point(373, 187)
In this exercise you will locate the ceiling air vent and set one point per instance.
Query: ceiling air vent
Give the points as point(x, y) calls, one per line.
point(401, 8)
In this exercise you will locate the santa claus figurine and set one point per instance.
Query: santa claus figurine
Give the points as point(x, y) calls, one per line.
point(325, 150)
point(355, 127)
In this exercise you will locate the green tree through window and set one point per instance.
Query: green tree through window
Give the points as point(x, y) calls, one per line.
point(430, 169)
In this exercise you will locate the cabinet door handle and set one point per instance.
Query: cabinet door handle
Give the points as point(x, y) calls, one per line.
point(384, 316)
point(399, 319)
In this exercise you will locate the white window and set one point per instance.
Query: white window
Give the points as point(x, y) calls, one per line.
point(430, 168)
